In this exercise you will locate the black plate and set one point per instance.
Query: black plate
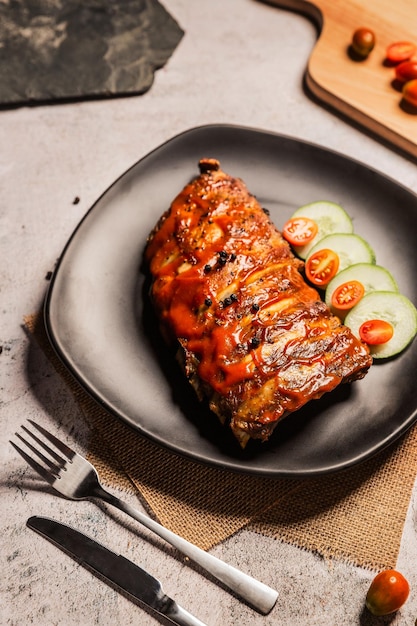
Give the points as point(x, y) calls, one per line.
point(99, 320)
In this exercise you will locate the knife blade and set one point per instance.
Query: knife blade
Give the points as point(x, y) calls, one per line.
point(113, 567)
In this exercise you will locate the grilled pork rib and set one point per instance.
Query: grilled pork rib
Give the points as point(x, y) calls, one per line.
point(255, 340)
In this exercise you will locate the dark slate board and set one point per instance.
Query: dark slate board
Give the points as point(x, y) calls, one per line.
point(78, 49)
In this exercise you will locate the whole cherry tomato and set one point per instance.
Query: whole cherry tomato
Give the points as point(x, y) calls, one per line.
point(375, 332)
point(300, 230)
point(322, 266)
point(400, 51)
point(410, 92)
point(346, 295)
point(388, 592)
point(405, 71)
point(363, 41)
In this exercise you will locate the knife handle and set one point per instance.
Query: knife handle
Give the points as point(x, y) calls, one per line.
point(255, 593)
point(181, 617)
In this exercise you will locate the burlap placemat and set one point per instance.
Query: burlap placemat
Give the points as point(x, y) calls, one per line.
point(356, 515)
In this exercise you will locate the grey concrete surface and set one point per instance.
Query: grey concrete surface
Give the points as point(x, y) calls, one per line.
point(240, 62)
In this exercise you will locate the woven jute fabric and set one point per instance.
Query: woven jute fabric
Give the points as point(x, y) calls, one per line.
point(356, 515)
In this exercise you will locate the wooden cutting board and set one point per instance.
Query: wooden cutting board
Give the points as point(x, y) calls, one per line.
point(362, 90)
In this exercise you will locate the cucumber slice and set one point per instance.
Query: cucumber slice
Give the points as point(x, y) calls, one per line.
point(372, 277)
point(329, 217)
point(391, 307)
point(350, 248)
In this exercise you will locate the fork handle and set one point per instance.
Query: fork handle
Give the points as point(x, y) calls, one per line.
point(257, 594)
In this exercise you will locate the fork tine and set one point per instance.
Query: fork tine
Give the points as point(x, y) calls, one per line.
point(59, 444)
point(61, 462)
point(35, 465)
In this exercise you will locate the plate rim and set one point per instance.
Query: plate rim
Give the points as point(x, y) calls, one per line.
point(233, 465)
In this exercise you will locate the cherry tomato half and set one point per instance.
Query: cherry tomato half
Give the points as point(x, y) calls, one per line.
point(375, 332)
point(346, 295)
point(363, 41)
point(400, 51)
point(300, 230)
point(405, 71)
point(322, 266)
point(388, 592)
point(410, 92)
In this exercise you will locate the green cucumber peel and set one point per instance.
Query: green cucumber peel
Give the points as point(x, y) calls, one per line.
point(330, 218)
point(392, 307)
point(350, 248)
point(372, 277)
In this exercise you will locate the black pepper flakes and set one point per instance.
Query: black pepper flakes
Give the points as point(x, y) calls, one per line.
point(208, 302)
point(255, 307)
point(233, 297)
point(207, 269)
point(255, 341)
point(222, 257)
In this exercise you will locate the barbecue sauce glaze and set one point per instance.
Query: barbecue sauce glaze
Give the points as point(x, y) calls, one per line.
point(257, 340)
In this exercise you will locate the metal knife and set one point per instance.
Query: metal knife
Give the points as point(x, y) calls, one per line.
point(114, 568)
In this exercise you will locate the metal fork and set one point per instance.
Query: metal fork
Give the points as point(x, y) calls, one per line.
point(75, 478)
